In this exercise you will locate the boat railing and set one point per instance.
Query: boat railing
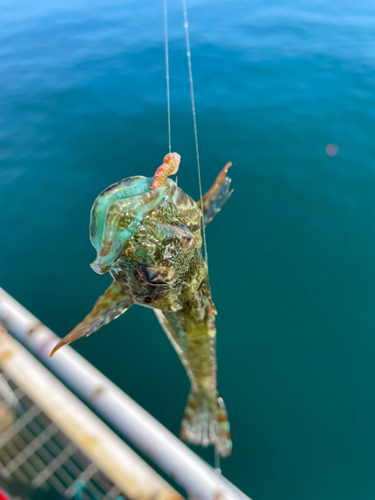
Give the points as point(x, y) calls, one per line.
point(146, 433)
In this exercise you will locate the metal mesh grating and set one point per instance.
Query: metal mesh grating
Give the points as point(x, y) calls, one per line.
point(37, 460)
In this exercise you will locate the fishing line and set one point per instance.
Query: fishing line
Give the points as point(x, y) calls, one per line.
point(188, 54)
point(165, 9)
point(217, 463)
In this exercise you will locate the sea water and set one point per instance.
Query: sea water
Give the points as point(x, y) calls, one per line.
point(284, 90)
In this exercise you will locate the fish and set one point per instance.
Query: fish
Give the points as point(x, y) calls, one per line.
point(147, 233)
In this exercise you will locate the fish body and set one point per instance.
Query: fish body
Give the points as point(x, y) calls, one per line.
point(147, 234)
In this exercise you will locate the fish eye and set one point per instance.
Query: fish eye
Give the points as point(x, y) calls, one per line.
point(180, 224)
point(148, 275)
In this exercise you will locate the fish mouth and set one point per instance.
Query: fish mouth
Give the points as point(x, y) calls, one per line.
point(132, 199)
point(100, 267)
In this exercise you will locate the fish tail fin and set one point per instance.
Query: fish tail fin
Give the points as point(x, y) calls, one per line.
point(206, 423)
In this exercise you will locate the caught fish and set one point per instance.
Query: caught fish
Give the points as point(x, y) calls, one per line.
point(147, 234)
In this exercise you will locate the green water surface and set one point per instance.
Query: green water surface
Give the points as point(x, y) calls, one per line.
point(291, 256)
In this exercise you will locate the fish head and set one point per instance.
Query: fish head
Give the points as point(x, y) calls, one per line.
point(157, 228)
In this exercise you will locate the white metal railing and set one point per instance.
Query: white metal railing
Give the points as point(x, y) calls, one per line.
point(168, 452)
point(83, 429)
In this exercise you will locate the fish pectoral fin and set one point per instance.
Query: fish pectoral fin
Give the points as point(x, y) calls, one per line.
point(218, 194)
point(114, 302)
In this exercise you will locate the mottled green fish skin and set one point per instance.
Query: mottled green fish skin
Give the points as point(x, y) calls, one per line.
point(150, 241)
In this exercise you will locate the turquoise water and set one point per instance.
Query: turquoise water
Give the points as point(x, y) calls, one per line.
point(292, 254)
